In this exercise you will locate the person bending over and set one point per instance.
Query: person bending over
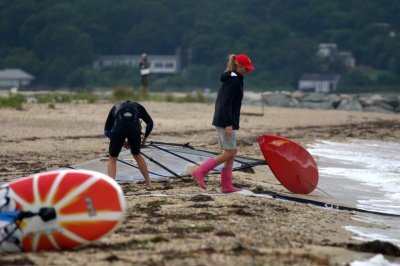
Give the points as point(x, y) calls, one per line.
point(123, 129)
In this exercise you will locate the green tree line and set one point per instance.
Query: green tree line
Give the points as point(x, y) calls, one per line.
point(57, 41)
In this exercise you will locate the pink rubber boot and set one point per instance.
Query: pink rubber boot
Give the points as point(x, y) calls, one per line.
point(226, 181)
point(202, 170)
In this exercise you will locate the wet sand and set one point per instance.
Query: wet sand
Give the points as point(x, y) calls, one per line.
point(176, 224)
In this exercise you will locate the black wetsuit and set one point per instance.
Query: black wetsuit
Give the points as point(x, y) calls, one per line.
point(229, 101)
point(123, 122)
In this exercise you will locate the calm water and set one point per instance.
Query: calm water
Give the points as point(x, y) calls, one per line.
point(365, 174)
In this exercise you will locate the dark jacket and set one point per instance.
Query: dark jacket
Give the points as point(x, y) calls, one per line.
point(229, 101)
point(115, 117)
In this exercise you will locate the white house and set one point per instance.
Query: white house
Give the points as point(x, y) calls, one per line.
point(159, 64)
point(330, 50)
point(323, 83)
point(14, 78)
point(327, 49)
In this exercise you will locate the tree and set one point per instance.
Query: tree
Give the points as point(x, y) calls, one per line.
point(58, 40)
point(24, 59)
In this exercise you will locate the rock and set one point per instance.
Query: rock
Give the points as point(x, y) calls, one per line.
point(280, 99)
point(385, 105)
point(252, 98)
point(379, 102)
point(320, 101)
point(350, 103)
point(382, 103)
point(377, 109)
point(368, 100)
point(391, 100)
point(317, 105)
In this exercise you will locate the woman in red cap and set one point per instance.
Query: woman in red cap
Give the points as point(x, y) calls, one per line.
point(226, 121)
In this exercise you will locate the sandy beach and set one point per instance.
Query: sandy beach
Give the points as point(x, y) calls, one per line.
point(186, 227)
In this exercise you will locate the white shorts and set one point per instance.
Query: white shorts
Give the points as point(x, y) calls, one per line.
point(226, 142)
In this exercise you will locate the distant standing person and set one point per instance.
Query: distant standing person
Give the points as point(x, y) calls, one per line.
point(144, 66)
point(226, 121)
point(123, 128)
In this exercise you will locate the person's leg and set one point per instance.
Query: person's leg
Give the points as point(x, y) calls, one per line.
point(227, 157)
point(112, 166)
point(201, 171)
point(226, 181)
point(144, 83)
point(143, 169)
point(116, 143)
point(134, 143)
point(228, 144)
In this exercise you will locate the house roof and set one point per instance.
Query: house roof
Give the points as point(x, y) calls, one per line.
point(320, 77)
point(14, 74)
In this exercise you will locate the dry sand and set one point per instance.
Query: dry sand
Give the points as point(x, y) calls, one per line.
point(187, 227)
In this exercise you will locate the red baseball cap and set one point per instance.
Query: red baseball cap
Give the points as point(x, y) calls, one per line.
point(245, 61)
